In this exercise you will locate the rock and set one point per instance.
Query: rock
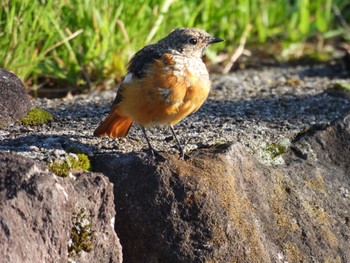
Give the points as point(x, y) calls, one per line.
point(14, 101)
point(45, 218)
point(274, 188)
point(224, 205)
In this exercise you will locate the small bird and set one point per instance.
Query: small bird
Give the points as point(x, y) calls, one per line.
point(166, 82)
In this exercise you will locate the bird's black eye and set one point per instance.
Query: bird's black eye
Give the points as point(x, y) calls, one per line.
point(193, 41)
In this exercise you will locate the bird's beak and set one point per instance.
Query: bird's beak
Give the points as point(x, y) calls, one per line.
point(215, 40)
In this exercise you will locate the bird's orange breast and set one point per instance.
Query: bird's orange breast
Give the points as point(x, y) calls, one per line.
point(165, 96)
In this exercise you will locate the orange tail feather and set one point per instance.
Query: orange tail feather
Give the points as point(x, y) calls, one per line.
point(114, 126)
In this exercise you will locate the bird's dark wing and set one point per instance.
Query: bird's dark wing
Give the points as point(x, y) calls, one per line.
point(118, 97)
point(140, 61)
point(138, 66)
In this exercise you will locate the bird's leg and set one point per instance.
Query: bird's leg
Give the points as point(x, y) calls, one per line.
point(153, 152)
point(182, 153)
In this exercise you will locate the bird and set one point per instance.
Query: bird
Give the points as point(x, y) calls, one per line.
point(165, 82)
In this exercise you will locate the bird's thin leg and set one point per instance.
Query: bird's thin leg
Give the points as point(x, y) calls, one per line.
point(182, 153)
point(148, 142)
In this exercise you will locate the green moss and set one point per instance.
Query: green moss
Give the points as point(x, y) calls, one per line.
point(82, 163)
point(36, 117)
point(275, 149)
point(60, 168)
point(318, 57)
point(81, 234)
point(341, 86)
point(72, 163)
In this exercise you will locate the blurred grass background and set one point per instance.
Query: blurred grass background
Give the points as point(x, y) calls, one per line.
point(87, 43)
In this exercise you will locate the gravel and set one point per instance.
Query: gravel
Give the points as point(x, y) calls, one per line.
point(256, 106)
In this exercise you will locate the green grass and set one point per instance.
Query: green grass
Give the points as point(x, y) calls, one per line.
point(90, 41)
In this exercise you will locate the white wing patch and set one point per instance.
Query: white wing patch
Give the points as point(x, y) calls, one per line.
point(127, 78)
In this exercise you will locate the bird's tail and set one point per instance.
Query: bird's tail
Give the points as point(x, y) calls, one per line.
point(114, 126)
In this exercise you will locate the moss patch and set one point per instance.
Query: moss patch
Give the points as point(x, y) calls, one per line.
point(342, 86)
point(72, 163)
point(275, 149)
point(36, 117)
point(81, 234)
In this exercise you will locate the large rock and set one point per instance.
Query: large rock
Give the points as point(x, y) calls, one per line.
point(224, 205)
point(14, 101)
point(45, 218)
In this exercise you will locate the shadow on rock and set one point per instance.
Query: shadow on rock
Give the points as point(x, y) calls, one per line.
point(69, 143)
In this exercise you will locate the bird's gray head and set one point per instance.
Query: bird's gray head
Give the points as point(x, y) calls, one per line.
point(187, 41)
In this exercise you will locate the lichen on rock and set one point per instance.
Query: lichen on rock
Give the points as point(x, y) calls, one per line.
point(82, 234)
